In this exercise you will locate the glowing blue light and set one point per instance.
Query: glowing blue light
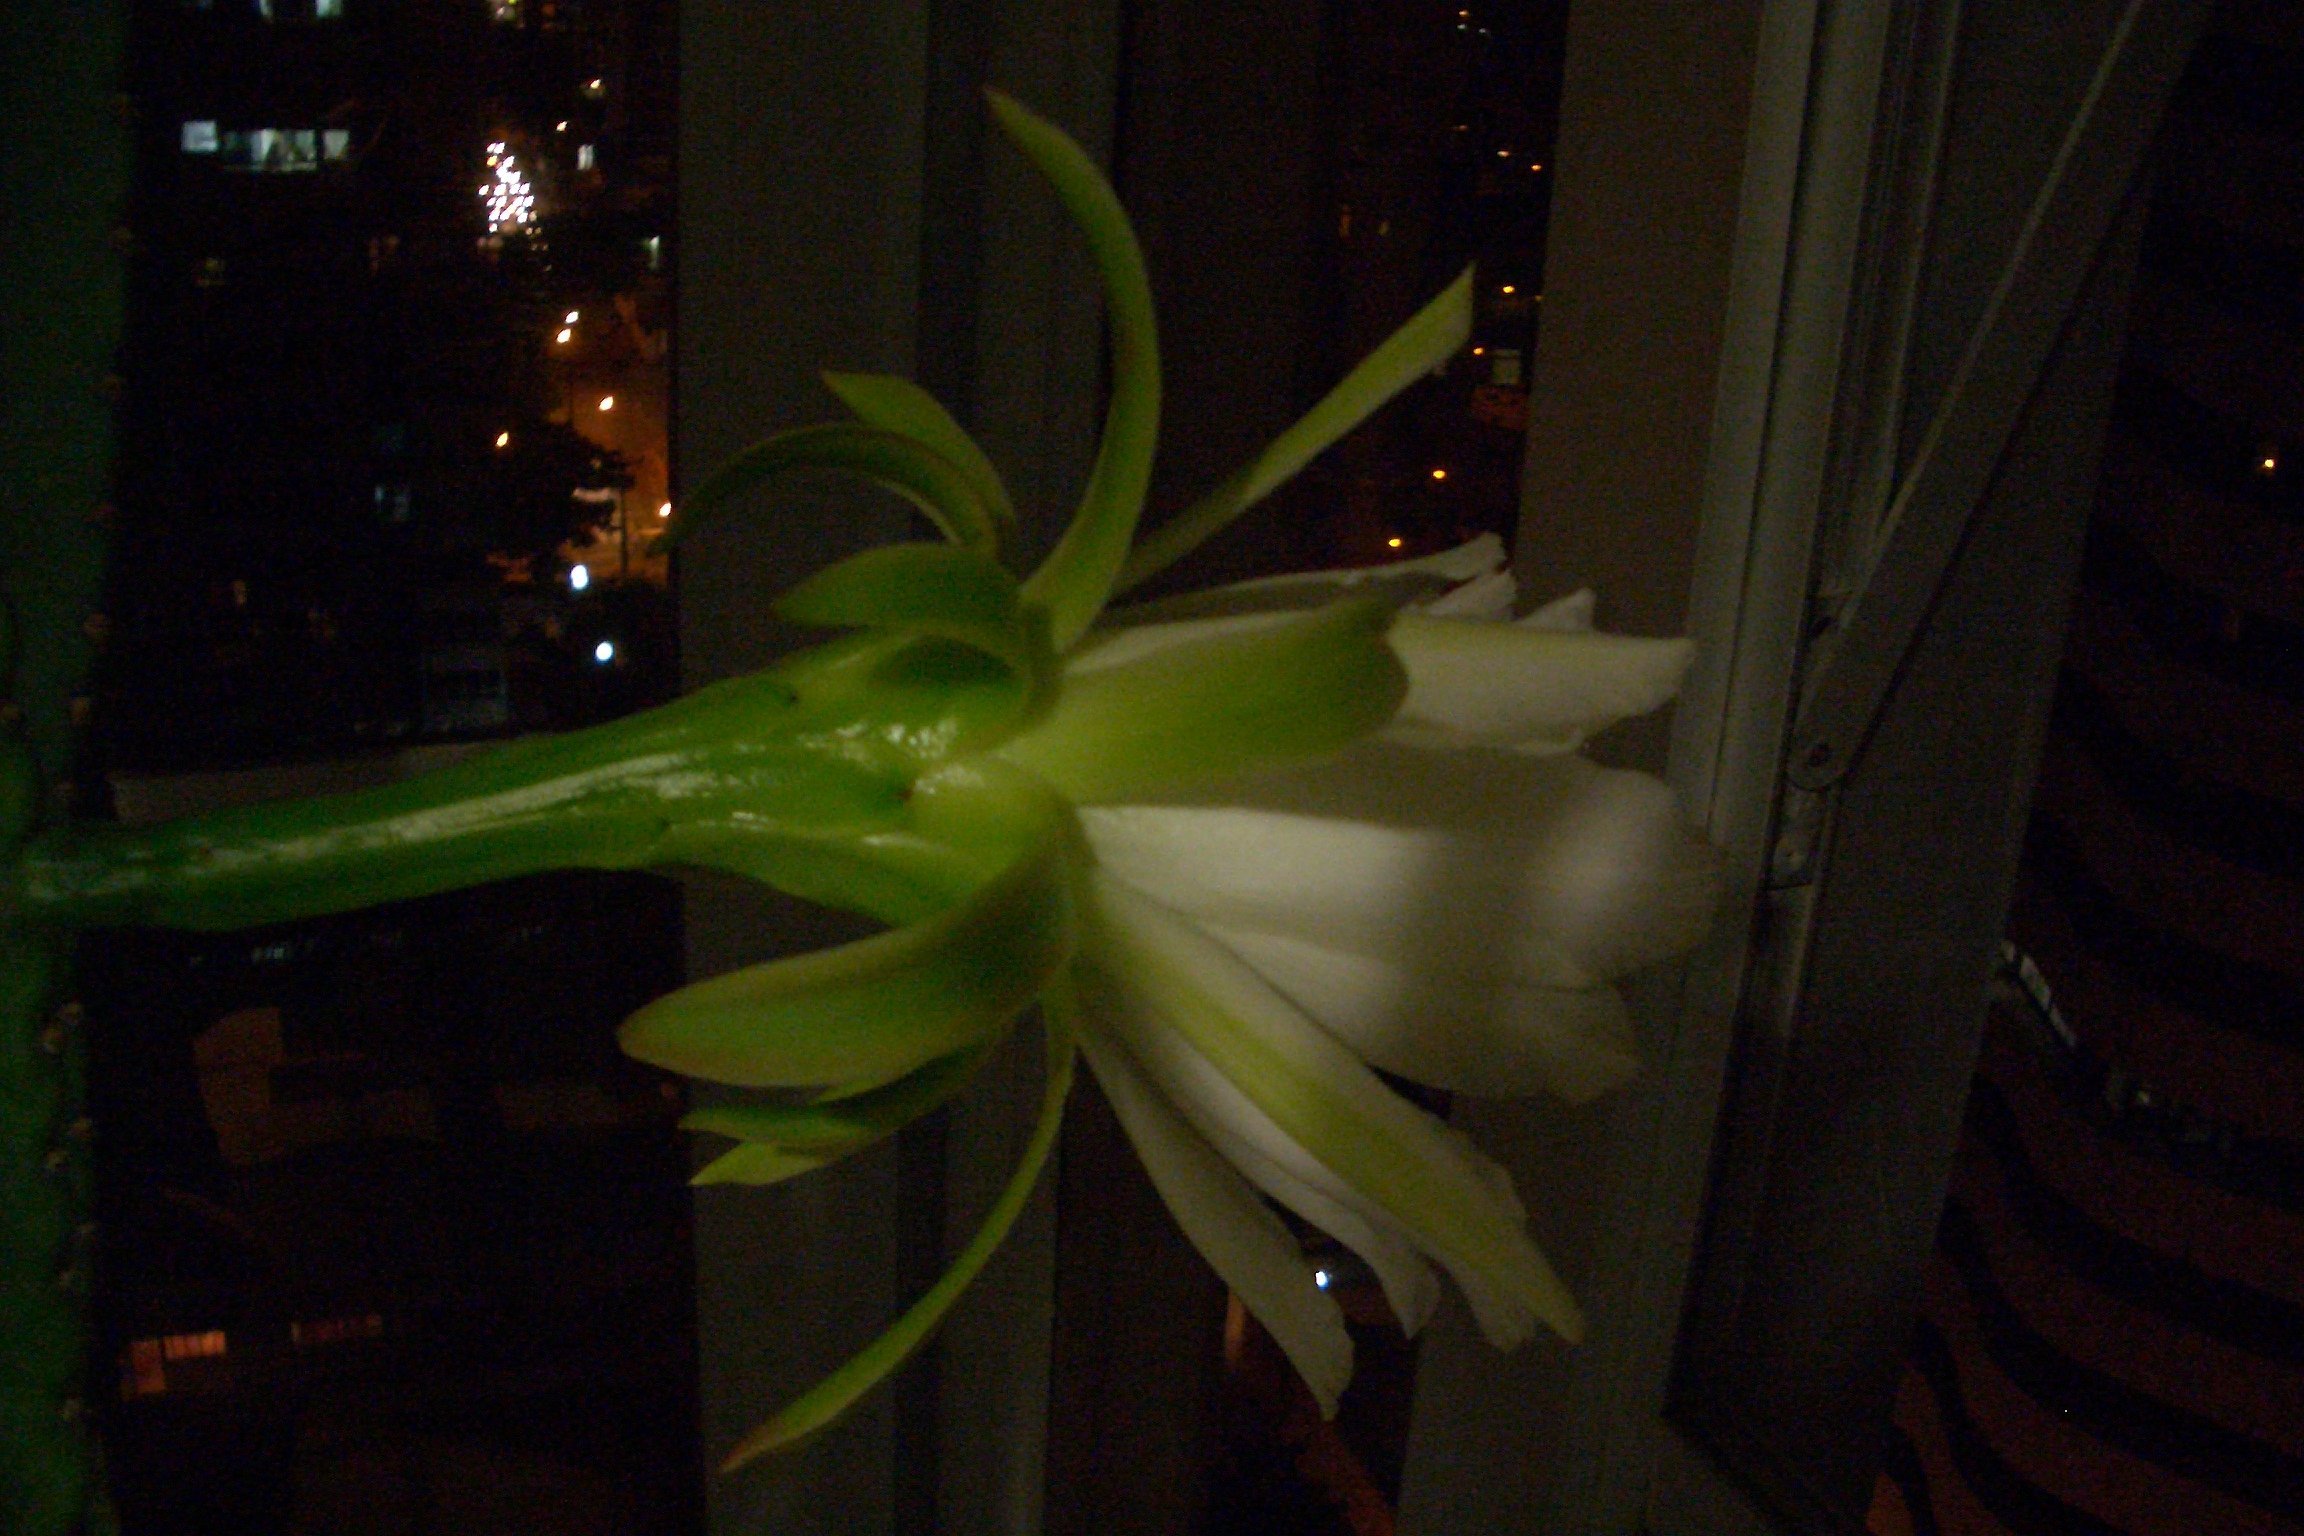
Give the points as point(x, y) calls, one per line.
point(604, 652)
point(1320, 1278)
point(579, 577)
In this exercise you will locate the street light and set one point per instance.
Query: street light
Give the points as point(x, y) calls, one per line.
point(607, 402)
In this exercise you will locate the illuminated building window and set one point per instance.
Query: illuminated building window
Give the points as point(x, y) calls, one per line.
point(327, 10)
point(269, 149)
point(653, 249)
point(141, 1372)
point(336, 1330)
point(505, 13)
point(200, 136)
point(193, 1346)
point(335, 143)
point(584, 157)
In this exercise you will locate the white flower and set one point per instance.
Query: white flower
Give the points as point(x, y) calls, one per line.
point(1442, 903)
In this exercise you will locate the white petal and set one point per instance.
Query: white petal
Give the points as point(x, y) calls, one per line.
point(1486, 598)
point(1271, 1159)
point(1471, 869)
point(1620, 881)
point(1244, 1242)
point(1534, 689)
point(1421, 1023)
point(1567, 615)
point(1323, 1098)
point(1505, 1321)
point(1403, 579)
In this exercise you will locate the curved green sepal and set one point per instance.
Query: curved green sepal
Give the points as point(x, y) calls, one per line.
point(1261, 693)
point(932, 589)
point(1408, 354)
point(842, 1125)
point(928, 480)
point(896, 404)
point(823, 1404)
point(759, 1164)
point(892, 874)
point(783, 1140)
point(1077, 576)
point(876, 1009)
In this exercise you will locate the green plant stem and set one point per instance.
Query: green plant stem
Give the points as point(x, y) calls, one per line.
point(797, 776)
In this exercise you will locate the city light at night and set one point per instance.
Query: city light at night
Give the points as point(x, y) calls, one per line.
point(511, 200)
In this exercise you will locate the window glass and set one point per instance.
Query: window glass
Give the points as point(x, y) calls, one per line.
point(396, 1239)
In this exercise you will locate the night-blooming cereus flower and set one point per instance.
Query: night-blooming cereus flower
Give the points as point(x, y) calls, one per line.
point(1448, 900)
point(1241, 848)
point(1280, 835)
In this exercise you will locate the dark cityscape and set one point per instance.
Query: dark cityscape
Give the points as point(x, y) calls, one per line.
point(398, 1238)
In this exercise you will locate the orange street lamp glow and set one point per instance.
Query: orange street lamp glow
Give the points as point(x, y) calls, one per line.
point(1508, 288)
point(1392, 543)
point(503, 439)
point(664, 510)
point(1439, 474)
point(607, 402)
point(565, 336)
